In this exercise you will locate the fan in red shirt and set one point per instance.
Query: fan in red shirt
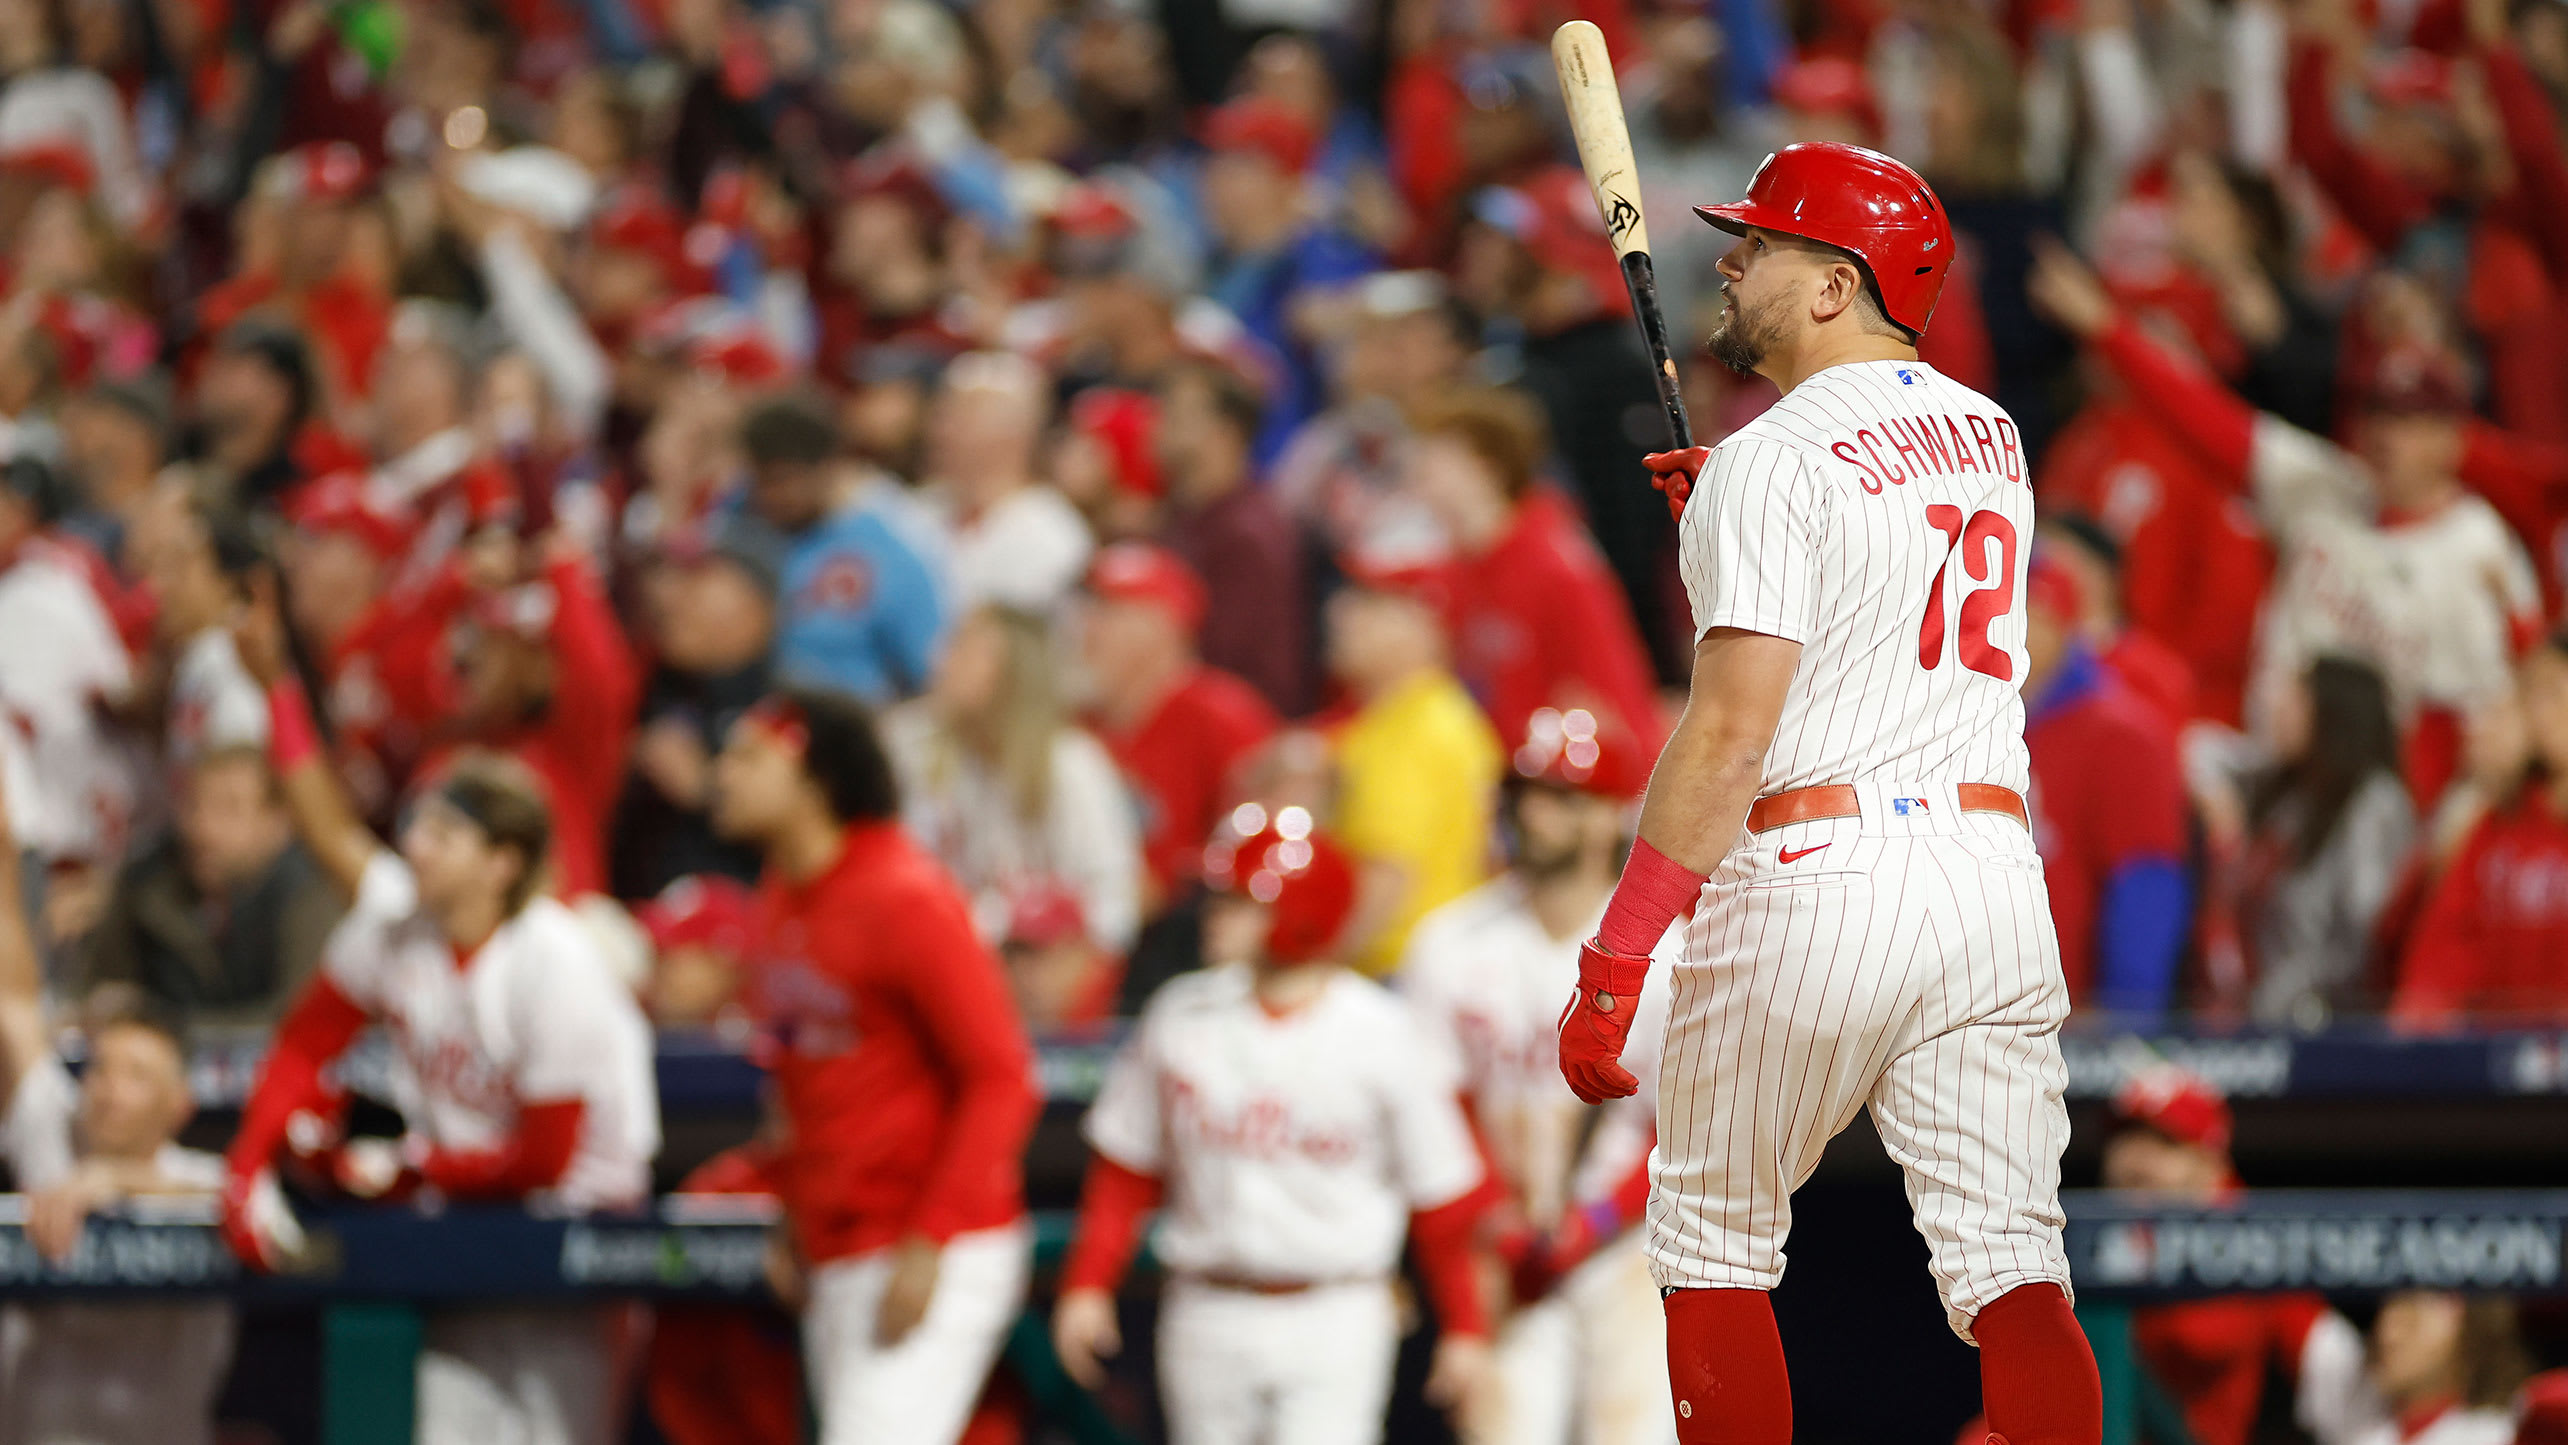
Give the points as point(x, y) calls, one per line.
point(2493, 936)
point(545, 675)
point(1177, 728)
point(308, 282)
point(904, 1077)
point(1538, 619)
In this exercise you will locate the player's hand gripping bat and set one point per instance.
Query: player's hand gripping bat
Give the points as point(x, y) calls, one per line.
point(1605, 149)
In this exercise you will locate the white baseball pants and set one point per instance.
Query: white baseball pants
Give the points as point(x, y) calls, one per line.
point(518, 1376)
point(920, 1391)
point(1904, 962)
point(1587, 1364)
point(1309, 1368)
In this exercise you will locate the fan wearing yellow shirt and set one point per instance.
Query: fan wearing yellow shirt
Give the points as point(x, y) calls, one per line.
point(1417, 761)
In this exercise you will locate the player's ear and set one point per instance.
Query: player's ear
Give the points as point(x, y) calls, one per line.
point(1841, 285)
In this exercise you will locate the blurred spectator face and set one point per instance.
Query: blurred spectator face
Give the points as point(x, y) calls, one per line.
point(973, 676)
point(1375, 638)
point(1290, 69)
point(177, 561)
point(1974, 117)
point(758, 784)
point(712, 617)
point(133, 1094)
point(1559, 828)
point(2415, 458)
point(2047, 636)
point(1248, 199)
point(2144, 1160)
point(1129, 642)
point(315, 239)
point(1200, 447)
point(618, 283)
point(588, 126)
point(99, 38)
point(791, 496)
point(1491, 272)
point(332, 579)
point(445, 62)
point(2288, 725)
point(231, 823)
point(691, 984)
point(2541, 33)
point(109, 450)
point(26, 35)
point(2415, 1344)
point(1455, 483)
point(981, 436)
point(2545, 705)
point(881, 248)
point(454, 861)
point(246, 406)
point(418, 392)
point(1235, 929)
point(884, 422)
point(506, 676)
point(57, 245)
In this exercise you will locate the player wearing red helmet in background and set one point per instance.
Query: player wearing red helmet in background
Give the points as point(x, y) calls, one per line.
point(1581, 1356)
point(903, 1075)
point(1842, 808)
point(1293, 1124)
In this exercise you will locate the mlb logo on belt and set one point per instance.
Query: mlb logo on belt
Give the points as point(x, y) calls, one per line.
point(1905, 806)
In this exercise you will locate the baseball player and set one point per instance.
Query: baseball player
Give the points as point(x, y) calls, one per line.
point(1581, 1356)
point(1842, 804)
point(1296, 1124)
point(905, 1080)
point(524, 1067)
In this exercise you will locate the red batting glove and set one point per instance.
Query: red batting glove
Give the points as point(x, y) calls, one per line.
point(1674, 473)
point(1598, 1020)
point(1539, 1270)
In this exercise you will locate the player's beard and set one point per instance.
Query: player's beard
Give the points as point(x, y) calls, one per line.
point(1745, 336)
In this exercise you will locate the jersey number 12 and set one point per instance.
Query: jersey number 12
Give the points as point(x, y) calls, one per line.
point(1981, 606)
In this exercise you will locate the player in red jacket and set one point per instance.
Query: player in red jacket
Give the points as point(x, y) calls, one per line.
point(904, 1077)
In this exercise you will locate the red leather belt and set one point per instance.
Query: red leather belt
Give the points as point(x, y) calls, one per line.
point(1839, 800)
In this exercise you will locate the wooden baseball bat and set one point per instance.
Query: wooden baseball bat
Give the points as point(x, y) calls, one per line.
point(1605, 149)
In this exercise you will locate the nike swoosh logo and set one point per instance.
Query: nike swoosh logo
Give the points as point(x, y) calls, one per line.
point(1795, 855)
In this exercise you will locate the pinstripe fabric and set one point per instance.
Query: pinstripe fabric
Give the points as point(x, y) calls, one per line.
point(1905, 962)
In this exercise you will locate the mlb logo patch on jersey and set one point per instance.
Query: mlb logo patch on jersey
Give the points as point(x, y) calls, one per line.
point(1906, 806)
point(1907, 377)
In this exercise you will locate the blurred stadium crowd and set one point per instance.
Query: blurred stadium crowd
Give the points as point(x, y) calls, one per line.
point(1151, 408)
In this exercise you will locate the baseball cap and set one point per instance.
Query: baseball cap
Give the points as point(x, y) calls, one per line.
point(340, 502)
point(1124, 425)
point(2051, 586)
point(2413, 379)
point(55, 160)
point(1141, 572)
point(2175, 1102)
point(1429, 584)
point(323, 171)
point(1266, 126)
point(1046, 914)
point(1568, 748)
point(701, 910)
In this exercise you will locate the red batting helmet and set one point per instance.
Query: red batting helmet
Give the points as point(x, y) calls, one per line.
point(2177, 1103)
point(1286, 863)
point(1569, 750)
point(1858, 200)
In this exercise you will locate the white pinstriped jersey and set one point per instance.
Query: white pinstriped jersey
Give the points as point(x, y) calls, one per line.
point(1880, 515)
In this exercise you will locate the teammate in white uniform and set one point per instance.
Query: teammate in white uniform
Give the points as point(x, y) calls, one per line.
point(1581, 1357)
point(1298, 1125)
point(524, 1066)
point(1843, 802)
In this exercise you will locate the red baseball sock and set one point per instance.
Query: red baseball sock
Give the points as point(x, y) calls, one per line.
point(2037, 1375)
point(1725, 1362)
